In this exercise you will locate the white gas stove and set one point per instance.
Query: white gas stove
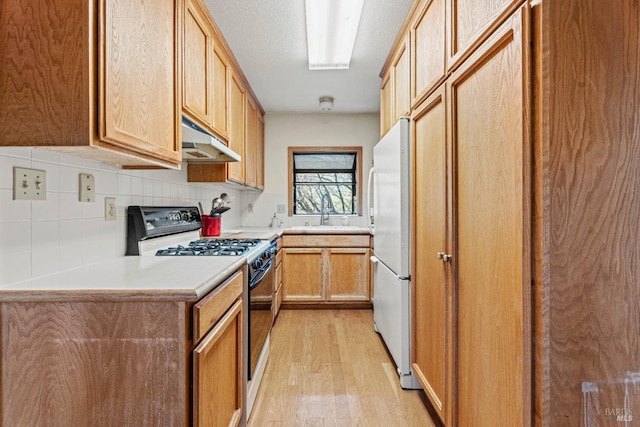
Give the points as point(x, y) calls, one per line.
point(175, 231)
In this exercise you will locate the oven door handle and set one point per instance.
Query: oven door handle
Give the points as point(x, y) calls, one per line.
point(260, 275)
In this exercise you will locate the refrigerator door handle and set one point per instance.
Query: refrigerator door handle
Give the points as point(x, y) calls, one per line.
point(370, 200)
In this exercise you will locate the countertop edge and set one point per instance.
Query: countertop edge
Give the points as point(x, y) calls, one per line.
point(120, 294)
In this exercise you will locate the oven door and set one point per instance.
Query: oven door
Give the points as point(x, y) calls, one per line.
point(260, 315)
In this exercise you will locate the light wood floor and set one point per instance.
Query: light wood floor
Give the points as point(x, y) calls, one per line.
point(329, 368)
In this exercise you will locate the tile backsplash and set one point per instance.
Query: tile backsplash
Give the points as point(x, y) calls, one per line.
point(44, 237)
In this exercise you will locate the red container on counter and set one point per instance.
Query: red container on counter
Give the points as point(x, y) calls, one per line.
point(211, 225)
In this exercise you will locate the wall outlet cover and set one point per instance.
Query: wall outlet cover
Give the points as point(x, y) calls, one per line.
point(109, 208)
point(282, 209)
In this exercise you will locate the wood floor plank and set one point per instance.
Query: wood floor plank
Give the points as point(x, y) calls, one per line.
point(329, 368)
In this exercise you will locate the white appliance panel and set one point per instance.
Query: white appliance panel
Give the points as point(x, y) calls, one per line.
point(391, 199)
point(392, 319)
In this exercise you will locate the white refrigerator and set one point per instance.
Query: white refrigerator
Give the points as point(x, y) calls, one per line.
point(389, 218)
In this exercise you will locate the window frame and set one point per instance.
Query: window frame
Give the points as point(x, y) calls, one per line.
point(326, 150)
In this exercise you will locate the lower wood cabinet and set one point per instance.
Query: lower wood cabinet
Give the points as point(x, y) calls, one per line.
point(218, 369)
point(217, 373)
point(303, 274)
point(348, 274)
point(114, 361)
point(315, 273)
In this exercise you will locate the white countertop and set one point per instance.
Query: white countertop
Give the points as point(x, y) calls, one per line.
point(129, 277)
point(151, 277)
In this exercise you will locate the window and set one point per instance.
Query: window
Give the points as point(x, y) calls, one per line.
point(332, 173)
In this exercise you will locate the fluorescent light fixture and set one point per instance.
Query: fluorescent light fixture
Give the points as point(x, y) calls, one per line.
point(332, 26)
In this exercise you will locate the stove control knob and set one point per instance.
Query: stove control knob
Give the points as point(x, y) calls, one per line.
point(256, 264)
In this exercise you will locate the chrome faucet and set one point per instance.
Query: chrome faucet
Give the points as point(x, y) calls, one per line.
point(324, 209)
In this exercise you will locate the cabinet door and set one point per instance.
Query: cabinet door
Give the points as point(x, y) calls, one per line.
point(471, 22)
point(221, 81)
point(489, 104)
point(218, 373)
point(196, 64)
point(348, 274)
point(250, 145)
point(303, 274)
point(386, 106)
point(137, 76)
point(236, 129)
point(428, 39)
point(260, 153)
point(431, 291)
point(401, 90)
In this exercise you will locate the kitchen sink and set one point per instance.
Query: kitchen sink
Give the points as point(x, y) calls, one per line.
point(328, 228)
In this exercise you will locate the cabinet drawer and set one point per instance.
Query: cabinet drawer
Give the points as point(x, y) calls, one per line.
point(212, 307)
point(329, 240)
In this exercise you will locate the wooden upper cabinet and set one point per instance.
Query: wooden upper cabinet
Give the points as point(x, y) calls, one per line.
point(251, 144)
point(205, 72)
point(395, 90)
point(428, 62)
point(260, 153)
point(82, 76)
point(196, 64)
point(236, 128)
point(217, 95)
point(386, 103)
point(221, 73)
point(401, 104)
point(471, 22)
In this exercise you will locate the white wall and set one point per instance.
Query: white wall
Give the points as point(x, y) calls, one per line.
point(44, 237)
point(283, 130)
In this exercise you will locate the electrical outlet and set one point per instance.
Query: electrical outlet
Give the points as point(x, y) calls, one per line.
point(250, 208)
point(29, 184)
point(282, 209)
point(87, 188)
point(109, 208)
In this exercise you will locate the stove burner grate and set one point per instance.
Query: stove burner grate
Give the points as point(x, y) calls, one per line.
point(212, 247)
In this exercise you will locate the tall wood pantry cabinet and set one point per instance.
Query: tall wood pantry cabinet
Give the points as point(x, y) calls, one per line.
point(95, 78)
point(471, 275)
point(526, 210)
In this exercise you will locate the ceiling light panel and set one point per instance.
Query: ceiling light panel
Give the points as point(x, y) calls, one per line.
point(332, 26)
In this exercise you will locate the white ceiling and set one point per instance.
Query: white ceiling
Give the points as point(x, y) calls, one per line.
point(268, 39)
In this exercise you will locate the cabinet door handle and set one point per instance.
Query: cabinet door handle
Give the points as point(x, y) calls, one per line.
point(444, 257)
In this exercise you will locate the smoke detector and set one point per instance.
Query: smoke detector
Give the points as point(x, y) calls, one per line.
point(326, 103)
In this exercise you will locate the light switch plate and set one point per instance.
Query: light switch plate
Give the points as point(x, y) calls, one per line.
point(87, 188)
point(29, 184)
point(109, 208)
point(250, 208)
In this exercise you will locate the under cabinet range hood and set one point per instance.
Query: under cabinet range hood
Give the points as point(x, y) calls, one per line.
point(198, 145)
